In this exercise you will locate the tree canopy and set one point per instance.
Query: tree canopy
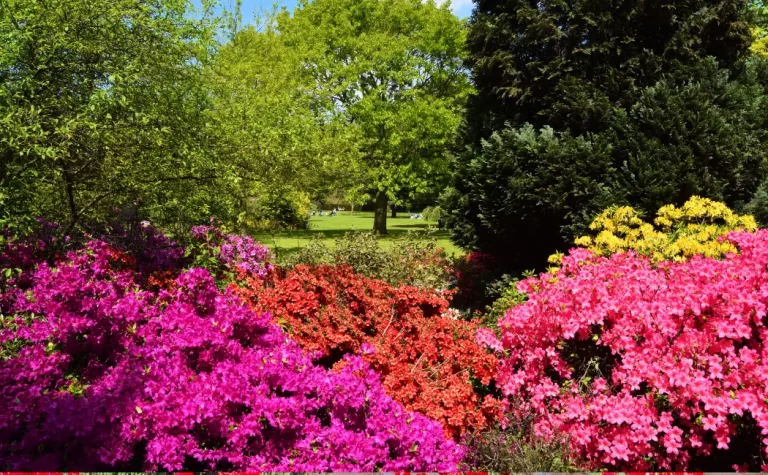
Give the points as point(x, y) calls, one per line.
point(270, 124)
point(392, 70)
point(102, 105)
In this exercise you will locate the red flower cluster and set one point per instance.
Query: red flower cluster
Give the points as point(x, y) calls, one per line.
point(427, 360)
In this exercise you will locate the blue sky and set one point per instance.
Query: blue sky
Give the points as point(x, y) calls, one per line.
point(462, 8)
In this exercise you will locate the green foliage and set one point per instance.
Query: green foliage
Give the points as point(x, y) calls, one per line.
point(270, 125)
point(413, 260)
point(101, 105)
point(509, 297)
point(568, 64)
point(526, 190)
point(278, 211)
point(582, 105)
point(515, 449)
point(758, 206)
point(759, 45)
point(433, 214)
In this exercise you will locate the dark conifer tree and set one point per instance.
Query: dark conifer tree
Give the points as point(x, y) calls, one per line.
point(581, 104)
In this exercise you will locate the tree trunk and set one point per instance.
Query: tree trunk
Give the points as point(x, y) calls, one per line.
point(352, 213)
point(394, 210)
point(69, 186)
point(380, 215)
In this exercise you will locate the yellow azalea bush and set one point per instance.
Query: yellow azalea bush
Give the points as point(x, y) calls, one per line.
point(676, 233)
point(760, 44)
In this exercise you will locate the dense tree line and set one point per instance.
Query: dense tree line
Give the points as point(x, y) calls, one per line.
point(176, 114)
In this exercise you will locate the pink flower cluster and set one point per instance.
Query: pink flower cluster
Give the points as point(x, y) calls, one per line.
point(644, 365)
point(233, 251)
point(99, 373)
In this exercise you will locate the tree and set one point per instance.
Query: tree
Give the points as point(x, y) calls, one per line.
point(102, 105)
point(268, 123)
point(356, 195)
point(391, 69)
point(641, 103)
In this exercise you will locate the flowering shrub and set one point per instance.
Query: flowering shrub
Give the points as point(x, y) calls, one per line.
point(19, 256)
point(646, 365)
point(428, 359)
point(223, 253)
point(696, 228)
point(98, 372)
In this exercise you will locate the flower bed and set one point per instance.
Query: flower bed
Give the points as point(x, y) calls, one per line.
point(100, 372)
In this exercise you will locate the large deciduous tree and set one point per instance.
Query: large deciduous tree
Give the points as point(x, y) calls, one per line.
point(392, 69)
point(586, 103)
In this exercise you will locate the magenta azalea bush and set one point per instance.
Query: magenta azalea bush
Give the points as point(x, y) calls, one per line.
point(644, 365)
point(97, 372)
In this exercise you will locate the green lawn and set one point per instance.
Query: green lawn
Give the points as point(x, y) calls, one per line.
point(332, 227)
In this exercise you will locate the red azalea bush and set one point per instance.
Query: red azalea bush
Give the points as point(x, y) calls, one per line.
point(643, 365)
point(427, 359)
point(98, 372)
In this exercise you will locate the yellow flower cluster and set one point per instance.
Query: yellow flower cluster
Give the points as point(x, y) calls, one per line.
point(677, 233)
point(760, 44)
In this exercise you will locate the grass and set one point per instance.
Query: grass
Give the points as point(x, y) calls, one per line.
point(333, 227)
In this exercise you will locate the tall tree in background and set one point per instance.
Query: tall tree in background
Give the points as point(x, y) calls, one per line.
point(392, 69)
point(582, 104)
point(102, 104)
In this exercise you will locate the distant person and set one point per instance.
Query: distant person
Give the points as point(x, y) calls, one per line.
point(321, 212)
point(333, 213)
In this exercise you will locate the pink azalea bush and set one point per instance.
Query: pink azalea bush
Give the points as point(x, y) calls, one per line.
point(644, 365)
point(97, 372)
point(221, 252)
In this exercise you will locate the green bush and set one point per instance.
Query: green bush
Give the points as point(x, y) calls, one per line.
point(758, 206)
point(509, 296)
point(528, 192)
point(433, 214)
point(279, 211)
point(413, 260)
point(515, 449)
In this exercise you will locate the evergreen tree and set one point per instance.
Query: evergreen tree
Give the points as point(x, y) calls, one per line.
point(586, 103)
